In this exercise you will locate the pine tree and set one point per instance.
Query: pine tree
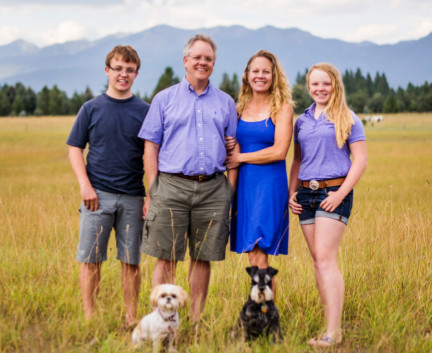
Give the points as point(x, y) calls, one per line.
point(43, 100)
point(166, 80)
point(18, 106)
point(390, 105)
point(5, 106)
point(230, 86)
point(56, 102)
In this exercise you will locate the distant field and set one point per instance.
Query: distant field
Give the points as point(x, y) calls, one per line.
point(385, 257)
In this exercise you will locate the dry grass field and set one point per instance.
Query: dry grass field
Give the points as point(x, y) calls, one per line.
point(385, 257)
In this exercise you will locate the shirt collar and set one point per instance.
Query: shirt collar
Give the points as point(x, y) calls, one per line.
point(187, 86)
point(310, 111)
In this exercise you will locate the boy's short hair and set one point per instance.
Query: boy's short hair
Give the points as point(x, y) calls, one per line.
point(126, 52)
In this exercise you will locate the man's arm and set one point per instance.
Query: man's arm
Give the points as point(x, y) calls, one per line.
point(88, 194)
point(232, 175)
point(151, 154)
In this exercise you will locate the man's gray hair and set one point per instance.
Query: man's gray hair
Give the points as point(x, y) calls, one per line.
point(197, 37)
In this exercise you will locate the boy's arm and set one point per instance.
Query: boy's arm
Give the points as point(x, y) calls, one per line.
point(88, 194)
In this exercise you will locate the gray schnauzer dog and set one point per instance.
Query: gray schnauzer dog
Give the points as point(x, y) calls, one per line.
point(260, 316)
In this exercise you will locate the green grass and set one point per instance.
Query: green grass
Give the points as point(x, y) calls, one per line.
point(385, 256)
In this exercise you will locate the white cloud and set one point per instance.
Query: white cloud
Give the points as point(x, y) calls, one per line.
point(66, 31)
point(45, 22)
point(371, 32)
point(58, 2)
point(423, 29)
point(9, 34)
point(70, 30)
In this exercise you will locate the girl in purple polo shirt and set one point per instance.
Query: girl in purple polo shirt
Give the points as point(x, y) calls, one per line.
point(321, 184)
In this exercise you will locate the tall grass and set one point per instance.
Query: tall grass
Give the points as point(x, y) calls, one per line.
point(385, 256)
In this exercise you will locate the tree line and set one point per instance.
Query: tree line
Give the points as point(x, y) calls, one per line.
point(364, 95)
point(367, 95)
point(18, 100)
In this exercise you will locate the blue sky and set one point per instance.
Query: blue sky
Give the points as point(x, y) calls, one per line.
point(46, 22)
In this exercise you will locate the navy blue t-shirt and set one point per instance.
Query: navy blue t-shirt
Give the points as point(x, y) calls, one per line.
point(110, 127)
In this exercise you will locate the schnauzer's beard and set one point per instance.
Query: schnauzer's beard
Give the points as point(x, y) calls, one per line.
point(261, 296)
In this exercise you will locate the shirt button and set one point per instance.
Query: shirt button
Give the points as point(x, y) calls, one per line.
point(201, 138)
point(199, 111)
point(202, 168)
point(199, 125)
point(201, 153)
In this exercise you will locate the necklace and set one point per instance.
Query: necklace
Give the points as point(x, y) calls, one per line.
point(263, 115)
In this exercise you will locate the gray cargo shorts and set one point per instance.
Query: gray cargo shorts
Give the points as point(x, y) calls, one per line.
point(184, 211)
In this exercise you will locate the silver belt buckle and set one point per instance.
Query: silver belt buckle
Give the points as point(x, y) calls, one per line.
point(314, 185)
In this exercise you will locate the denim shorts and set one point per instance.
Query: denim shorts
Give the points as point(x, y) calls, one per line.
point(119, 211)
point(310, 201)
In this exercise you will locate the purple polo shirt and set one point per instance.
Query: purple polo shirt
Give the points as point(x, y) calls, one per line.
point(321, 157)
point(190, 129)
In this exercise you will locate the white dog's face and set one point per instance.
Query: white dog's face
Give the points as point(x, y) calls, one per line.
point(168, 297)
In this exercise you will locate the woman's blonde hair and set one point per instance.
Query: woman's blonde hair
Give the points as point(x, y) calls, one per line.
point(337, 110)
point(280, 91)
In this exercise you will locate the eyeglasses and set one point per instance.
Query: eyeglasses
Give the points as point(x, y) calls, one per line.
point(207, 59)
point(119, 70)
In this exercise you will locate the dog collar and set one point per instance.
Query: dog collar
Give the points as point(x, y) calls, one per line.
point(168, 318)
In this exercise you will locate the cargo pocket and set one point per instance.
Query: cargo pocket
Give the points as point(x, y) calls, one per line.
point(149, 218)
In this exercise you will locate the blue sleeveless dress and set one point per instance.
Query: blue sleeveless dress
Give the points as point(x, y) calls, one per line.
point(260, 208)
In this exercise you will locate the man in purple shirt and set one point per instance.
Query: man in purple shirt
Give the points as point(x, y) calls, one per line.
point(189, 196)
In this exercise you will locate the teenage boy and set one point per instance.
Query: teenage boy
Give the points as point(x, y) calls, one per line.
point(111, 185)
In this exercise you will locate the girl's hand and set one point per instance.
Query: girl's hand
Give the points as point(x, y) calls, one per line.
point(295, 207)
point(332, 201)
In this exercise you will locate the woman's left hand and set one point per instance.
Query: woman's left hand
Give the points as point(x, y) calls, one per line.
point(332, 201)
point(233, 158)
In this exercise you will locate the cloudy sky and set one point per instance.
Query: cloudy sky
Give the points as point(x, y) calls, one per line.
point(44, 22)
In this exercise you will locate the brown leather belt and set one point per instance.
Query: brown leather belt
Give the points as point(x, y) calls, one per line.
point(198, 178)
point(320, 184)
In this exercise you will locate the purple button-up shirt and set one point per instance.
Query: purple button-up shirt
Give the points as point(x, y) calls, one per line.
point(190, 129)
point(321, 157)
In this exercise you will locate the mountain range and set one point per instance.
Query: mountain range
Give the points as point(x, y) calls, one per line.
point(74, 65)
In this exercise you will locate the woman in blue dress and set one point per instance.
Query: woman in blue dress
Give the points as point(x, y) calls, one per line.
point(259, 224)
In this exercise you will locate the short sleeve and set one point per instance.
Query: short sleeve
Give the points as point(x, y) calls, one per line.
point(357, 130)
point(152, 127)
point(79, 135)
point(232, 119)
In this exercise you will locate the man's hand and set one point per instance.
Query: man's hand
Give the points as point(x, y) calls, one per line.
point(146, 206)
point(230, 143)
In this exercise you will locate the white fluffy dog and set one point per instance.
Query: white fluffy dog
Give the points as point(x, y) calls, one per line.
point(162, 323)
